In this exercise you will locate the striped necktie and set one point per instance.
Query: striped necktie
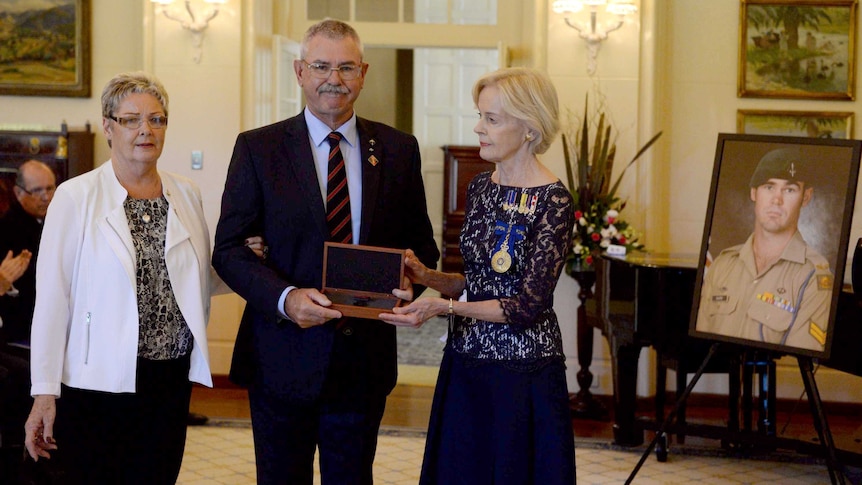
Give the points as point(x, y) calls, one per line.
point(337, 195)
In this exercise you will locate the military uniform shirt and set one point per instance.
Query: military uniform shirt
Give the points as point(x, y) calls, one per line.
point(787, 304)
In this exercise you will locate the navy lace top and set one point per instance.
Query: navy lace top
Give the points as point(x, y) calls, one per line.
point(534, 226)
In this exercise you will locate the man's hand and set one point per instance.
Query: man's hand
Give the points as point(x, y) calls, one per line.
point(11, 268)
point(308, 307)
point(39, 428)
point(407, 293)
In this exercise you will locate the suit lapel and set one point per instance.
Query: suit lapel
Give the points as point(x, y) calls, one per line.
point(371, 157)
point(296, 155)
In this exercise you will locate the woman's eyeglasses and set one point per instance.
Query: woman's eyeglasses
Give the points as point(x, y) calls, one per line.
point(135, 122)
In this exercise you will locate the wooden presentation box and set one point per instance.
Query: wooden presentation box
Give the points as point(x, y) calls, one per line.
point(359, 279)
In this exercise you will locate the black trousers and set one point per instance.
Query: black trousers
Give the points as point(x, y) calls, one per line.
point(286, 434)
point(132, 438)
point(15, 404)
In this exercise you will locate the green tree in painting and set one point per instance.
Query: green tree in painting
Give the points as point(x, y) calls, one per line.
point(791, 18)
point(797, 48)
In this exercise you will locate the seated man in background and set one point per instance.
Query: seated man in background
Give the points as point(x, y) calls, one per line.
point(20, 231)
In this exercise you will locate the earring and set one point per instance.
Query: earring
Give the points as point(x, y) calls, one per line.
point(529, 137)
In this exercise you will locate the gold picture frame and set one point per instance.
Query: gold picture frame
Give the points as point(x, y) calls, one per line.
point(46, 50)
point(803, 49)
point(813, 124)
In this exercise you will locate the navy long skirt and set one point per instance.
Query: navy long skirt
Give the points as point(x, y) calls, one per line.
point(494, 425)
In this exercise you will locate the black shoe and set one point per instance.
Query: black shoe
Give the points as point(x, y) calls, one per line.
point(196, 419)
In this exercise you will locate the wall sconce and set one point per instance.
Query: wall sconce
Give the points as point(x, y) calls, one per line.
point(192, 23)
point(594, 33)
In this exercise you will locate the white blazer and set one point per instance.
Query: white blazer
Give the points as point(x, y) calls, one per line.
point(85, 325)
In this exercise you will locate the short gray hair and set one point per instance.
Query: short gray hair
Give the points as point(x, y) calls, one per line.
point(128, 83)
point(331, 29)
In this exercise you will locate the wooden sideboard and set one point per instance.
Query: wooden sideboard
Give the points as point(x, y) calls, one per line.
point(460, 165)
point(67, 152)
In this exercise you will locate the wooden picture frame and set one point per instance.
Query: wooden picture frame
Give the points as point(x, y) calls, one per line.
point(46, 61)
point(802, 49)
point(766, 191)
point(813, 124)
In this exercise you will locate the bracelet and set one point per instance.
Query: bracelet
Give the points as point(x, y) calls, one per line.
point(451, 307)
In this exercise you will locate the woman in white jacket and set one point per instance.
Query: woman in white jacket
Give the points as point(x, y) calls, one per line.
point(123, 296)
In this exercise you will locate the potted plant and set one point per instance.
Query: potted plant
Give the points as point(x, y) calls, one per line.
point(589, 165)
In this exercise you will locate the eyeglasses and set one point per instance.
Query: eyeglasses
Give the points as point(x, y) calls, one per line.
point(135, 122)
point(39, 191)
point(347, 72)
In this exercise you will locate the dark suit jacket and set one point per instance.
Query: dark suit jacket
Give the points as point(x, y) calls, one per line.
point(19, 230)
point(272, 190)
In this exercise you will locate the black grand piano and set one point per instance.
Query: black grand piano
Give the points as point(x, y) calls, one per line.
point(645, 299)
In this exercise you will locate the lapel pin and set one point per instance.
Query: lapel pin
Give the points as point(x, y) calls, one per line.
point(373, 160)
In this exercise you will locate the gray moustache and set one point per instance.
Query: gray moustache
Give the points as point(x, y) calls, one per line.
point(330, 88)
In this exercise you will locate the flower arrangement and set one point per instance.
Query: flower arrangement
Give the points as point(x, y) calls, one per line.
point(597, 208)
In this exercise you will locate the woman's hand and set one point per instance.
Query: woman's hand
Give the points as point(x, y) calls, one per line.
point(414, 269)
point(256, 244)
point(39, 428)
point(416, 313)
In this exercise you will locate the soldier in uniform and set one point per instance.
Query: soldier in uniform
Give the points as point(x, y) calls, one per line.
point(773, 288)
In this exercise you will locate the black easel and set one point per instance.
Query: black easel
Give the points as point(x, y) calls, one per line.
point(819, 417)
point(820, 423)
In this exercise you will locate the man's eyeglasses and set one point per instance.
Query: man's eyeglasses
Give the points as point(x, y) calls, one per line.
point(39, 191)
point(347, 72)
point(135, 122)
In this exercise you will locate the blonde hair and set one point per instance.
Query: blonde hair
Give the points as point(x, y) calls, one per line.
point(528, 95)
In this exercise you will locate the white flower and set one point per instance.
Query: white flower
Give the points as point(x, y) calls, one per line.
point(582, 221)
point(612, 213)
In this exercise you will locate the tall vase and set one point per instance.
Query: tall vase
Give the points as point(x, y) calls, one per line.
point(583, 404)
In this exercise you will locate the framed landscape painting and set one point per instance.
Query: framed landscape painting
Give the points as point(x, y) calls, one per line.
point(45, 47)
point(796, 123)
point(797, 49)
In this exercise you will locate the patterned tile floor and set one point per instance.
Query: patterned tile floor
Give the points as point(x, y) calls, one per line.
point(222, 453)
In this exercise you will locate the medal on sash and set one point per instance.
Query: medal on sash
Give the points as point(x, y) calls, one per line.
point(501, 259)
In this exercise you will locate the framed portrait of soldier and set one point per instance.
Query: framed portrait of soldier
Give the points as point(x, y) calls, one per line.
point(775, 242)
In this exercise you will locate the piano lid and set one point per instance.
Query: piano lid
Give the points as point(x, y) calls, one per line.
point(657, 260)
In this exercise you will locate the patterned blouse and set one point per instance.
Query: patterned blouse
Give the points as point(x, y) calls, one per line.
point(162, 332)
point(533, 226)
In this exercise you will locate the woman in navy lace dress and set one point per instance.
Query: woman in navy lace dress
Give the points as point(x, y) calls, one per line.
point(500, 412)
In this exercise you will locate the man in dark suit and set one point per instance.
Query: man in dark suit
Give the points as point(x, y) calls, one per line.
point(20, 231)
point(316, 379)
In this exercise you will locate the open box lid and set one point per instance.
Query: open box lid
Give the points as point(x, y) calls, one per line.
point(359, 279)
